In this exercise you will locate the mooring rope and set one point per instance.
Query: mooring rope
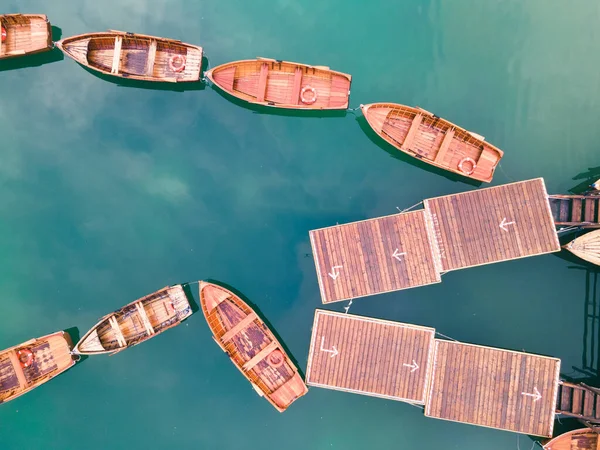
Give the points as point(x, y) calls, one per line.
point(505, 174)
point(408, 209)
point(532, 445)
point(447, 337)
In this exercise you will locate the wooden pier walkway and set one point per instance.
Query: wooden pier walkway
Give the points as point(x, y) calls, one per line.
point(370, 356)
point(493, 388)
point(452, 232)
point(455, 381)
point(581, 402)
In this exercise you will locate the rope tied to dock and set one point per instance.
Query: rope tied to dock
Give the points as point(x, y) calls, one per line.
point(447, 337)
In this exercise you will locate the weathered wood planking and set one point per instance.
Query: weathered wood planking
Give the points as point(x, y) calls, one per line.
point(357, 259)
point(492, 225)
point(369, 356)
point(493, 388)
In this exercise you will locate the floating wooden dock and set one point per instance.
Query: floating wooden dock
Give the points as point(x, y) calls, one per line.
point(493, 388)
point(370, 356)
point(452, 232)
point(460, 382)
point(374, 256)
point(491, 225)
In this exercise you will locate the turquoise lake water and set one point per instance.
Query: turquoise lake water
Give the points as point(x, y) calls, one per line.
point(109, 193)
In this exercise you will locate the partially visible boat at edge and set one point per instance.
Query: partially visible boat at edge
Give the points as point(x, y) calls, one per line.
point(252, 347)
point(24, 34)
point(586, 247)
point(135, 56)
point(434, 140)
point(136, 322)
point(582, 211)
point(582, 439)
point(32, 363)
point(283, 84)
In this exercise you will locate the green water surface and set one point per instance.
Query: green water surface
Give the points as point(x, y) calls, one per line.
point(110, 192)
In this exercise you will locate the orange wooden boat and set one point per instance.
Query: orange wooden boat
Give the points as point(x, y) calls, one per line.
point(436, 141)
point(283, 84)
point(24, 34)
point(582, 439)
point(135, 56)
point(136, 322)
point(32, 363)
point(251, 346)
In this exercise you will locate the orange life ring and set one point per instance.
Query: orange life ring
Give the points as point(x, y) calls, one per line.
point(177, 63)
point(25, 357)
point(305, 89)
point(3, 34)
point(466, 170)
point(275, 359)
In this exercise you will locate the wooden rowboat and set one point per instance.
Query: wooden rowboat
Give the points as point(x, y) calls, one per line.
point(581, 211)
point(251, 346)
point(32, 363)
point(135, 56)
point(436, 141)
point(582, 439)
point(136, 322)
point(283, 84)
point(586, 247)
point(24, 34)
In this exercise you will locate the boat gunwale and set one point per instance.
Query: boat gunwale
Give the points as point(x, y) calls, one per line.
point(237, 299)
point(114, 33)
point(417, 110)
point(209, 75)
point(77, 351)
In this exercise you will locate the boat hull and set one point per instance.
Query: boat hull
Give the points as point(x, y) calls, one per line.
point(26, 34)
point(433, 140)
point(33, 363)
point(586, 247)
point(582, 439)
point(283, 84)
point(135, 56)
point(251, 346)
point(136, 322)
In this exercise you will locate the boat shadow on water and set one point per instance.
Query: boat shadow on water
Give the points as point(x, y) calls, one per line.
point(187, 289)
point(150, 85)
point(273, 111)
point(256, 309)
point(592, 175)
point(397, 154)
point(589, 372)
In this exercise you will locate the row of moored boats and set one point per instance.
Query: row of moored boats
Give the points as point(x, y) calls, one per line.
point(261, 81)
point(236, 327)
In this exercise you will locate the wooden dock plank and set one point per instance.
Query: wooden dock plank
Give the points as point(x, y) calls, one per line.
point(494, 388)
point(369, 356)
point(362, 254)
point(506, 222)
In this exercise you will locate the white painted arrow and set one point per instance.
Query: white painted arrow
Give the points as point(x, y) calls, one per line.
point(334, 273)
point(536, 394)
point(333, 350)
point(397, 255)
point(414, 366)
point(504, 223)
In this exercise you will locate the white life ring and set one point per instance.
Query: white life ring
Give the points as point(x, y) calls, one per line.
point(466, 170)
point(308, 101)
